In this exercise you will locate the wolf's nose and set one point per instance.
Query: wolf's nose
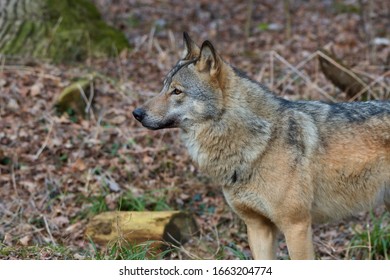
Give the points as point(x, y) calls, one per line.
point(139, 114)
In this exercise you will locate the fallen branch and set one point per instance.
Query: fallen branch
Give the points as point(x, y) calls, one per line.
point(171, 226)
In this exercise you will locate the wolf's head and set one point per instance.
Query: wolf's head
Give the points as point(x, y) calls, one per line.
point(191, 93)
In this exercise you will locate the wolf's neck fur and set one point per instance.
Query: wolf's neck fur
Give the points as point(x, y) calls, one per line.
point(225, 147)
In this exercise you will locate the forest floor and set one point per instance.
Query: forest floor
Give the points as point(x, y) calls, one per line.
point(56, 172)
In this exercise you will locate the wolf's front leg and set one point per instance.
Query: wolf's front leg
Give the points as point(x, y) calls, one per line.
point(262, 238)
point(299, 240)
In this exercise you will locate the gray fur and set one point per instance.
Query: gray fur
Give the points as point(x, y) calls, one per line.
point(283, 165)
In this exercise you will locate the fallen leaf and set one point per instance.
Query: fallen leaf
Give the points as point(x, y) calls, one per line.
point(8, 239)
point(12, 104)
point(109, 182)
point(61, 221)
point(118, 119)
point(31, 186)
point(25, 240)
point(73, 227)
point(36, 89)
point(79, 165)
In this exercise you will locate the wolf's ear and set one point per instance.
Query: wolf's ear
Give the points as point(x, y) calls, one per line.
point(191, 50)
point(208, 60)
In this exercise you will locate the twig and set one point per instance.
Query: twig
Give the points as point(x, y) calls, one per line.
point(304, 77)
point(172, 40)
point(342, 68)
point(54, 30)
point(87, 100)
point(181, 248)
point(298, 66)
point(218, 241)
point(120, 66)
point(145, 150)
point(14, 180)
point(286, 6)
point(248, 22)
point(88, 180)
point(139, 44)
point(271, 62)
point(48, 230)
point(158, 47)
point(91, 96)
point(260, 75)
point(45, 143)
point(98, 127)
point(151, 38)
point(369, 240)
point(159, 144)
point(329, 248)
point(378, 79)
point(7, 212)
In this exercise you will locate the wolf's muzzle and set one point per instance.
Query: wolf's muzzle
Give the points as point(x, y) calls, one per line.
point(139, 114)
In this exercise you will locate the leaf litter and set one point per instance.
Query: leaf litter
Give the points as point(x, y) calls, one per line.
point(56, 172)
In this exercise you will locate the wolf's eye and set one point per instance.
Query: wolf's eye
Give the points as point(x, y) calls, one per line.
point(176, 91)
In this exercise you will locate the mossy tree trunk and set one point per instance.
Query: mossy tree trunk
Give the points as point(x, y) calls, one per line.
point(60, 30)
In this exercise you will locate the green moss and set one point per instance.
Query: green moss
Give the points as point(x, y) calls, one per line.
point(71, 99)
point(25, 30)
point(81, 32)
point(343, 8)
point(3, 37)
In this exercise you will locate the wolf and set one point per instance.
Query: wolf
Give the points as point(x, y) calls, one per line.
point(283, 165)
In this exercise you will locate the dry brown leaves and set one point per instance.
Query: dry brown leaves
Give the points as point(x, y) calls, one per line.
point(54, 171)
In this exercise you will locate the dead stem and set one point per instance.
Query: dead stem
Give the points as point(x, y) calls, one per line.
point(48, 230)
point(45, 142)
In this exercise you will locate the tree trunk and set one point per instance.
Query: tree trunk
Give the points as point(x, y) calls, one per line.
point(60, 30)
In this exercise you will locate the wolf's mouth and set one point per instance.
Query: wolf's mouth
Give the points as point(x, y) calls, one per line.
point(151, 127)
point(159, 125)
point(151, 122)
